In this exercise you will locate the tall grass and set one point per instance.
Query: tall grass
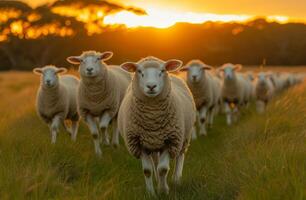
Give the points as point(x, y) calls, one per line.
point(262, 157)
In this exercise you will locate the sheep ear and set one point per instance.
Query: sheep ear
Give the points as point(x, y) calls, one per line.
point(184, 68)
point(129, 66)
point(173, 65)
point(106, 55)
point(221, 68)
point(74, 60)
point(61, 70)
point(207, 67)
point(238, 67)
point(37, 71)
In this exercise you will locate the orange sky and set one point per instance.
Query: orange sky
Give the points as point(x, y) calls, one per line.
point(294, 9)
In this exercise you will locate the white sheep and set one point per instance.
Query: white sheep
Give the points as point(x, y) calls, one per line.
point(157, 116)
point(276, 80)
point(56, 100)
point(234, 91)
point(101, 91)
point(250, 84)
point(206, 90)
point(264, 91)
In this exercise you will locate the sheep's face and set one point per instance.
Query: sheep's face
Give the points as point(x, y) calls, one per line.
point(229, 71)
point(195, 73)
point(195, 70)
point(90, 63)
point(49, 75)
point(151, 74)
point(90, 66)
point(250, 77)
point(262, 78)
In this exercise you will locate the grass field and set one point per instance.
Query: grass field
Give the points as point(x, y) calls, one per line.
point(262, 157)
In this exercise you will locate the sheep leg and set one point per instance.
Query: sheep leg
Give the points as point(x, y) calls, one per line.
point(155, 159)
point(193, 133)
point(95, 133)
point(68, 128)
point(211, 117)
point(235, 114)
point(179, 164)
point(54, 128)
point(260, 106)
point(163, 168)
point(228, 112)
point(75, 128)
point(148, 172)
point(115, 139)
point(197, 123)
point(203, 118)
point(103, 125)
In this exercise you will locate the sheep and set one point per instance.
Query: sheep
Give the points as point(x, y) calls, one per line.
point(56, 100)
point(250, 92)
point(264, 91)
point(234, 91)
point(251, 78)
point(157, 117)
point(100, 93)
point(206, 90)
point(276, 81)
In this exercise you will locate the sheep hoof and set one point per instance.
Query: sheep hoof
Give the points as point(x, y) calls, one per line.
point(106, 143)
point(152, 193)
point(163, 190)
point(203, 132)
point(177, 180)
point(99, 154)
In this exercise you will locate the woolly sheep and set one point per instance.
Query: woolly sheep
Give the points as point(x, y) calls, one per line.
point(101, 91)
point(234, 91)
point(250, 92)
point(264, 91)
point(276, 81)
point(156, 117)
point(251, 80)
point(56, 100)
point(206, 90)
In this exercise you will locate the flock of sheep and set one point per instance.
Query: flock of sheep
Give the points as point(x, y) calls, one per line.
point(155, 112)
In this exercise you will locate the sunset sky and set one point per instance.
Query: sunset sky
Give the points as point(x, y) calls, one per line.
point(294, 9)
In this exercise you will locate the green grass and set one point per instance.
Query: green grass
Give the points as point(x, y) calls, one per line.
point(261, 157)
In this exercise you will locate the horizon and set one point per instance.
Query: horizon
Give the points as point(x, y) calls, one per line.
point(162, 15)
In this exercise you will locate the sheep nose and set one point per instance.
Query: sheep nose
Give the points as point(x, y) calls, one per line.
point(89, 69)
point(151, 87)
point(194, 77)
point(48, 82)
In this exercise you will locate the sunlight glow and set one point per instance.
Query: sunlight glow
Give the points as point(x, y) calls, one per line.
point(279, 19)
point(164, 19)
point(7, 14)
point(87, 14)
point(23, 29)
point(96, 18)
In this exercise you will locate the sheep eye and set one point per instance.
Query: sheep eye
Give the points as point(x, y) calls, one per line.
point(161, 72)
point(140, 72)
